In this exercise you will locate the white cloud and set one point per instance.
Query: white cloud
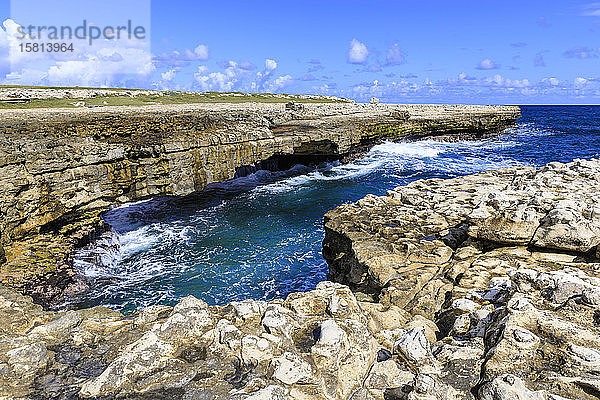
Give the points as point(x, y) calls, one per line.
point(270, 65)
point(263, 76)
point(168, 75)
point(178, 59)
point(395, 56)
point(9, 42)
point(487, 63)
point(358, 52)
point(463, 77)
point(25, 77)
point(106, 63)
point(580, 82)
point(464, 87)
point(591, 10)
point(237, 76)
point(103, 67)
point(247, 65)
point(218, 81)
point(499, 80)
point(323, 89)
point(4, 33)
point(10, 28)
point(275, 85)
point(552, 81)
point(215, 81)
point(200, 52)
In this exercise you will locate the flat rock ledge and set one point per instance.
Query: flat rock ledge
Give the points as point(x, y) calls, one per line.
point(481, 287)
point(504, 264)
point(61, 168)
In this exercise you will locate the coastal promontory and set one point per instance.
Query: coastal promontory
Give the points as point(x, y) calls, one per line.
point(60, 168)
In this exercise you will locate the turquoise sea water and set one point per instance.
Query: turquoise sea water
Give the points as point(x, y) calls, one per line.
point(260, 236)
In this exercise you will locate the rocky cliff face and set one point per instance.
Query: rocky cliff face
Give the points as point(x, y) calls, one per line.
point(504, 262)
point(449, 309)
point(59, 169)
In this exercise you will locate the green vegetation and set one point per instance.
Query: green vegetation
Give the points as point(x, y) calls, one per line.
point(126, 97)
point(391, 131)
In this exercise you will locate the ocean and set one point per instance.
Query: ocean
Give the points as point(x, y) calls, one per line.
point(260, 236)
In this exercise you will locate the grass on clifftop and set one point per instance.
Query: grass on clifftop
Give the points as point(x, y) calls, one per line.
point(153, 98)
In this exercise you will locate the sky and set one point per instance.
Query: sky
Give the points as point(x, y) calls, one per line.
point(470, 52)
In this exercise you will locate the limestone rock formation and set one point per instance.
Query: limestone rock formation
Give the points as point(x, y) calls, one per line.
point(441, 309)
point(505, 262)
point(313, 345)
point(60, 168)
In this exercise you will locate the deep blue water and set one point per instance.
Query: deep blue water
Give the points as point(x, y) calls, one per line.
point(260, 236)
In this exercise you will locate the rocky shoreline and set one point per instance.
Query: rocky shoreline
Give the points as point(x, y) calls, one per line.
point(61, 168)
point(482, 287)
point(506, 263)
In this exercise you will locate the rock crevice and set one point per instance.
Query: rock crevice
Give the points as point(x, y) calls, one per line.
point(60, 169)
point(467, 313)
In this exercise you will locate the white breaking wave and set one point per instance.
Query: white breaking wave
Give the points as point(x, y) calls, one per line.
point(103, 258)
point(329, 172)
point(406, 160)
point(529, 129)
point(102, 255)
point(425, 149)
point(138, 240)
point(429, 149)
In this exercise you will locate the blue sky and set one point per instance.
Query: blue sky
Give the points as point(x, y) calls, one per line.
point(511, 52)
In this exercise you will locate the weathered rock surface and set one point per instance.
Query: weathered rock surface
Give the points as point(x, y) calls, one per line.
point(505, 262)
point(313, 345)
point(454, 313)
point(60, 168)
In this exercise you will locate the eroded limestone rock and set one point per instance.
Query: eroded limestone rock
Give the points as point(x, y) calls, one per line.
point(461, 316)
point(515, 301)
point(60, 168)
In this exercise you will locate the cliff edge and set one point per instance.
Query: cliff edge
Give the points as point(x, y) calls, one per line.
point(483, 287)
point(61, 168)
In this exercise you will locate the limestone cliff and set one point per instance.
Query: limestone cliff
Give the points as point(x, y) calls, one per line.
point(60, 168)
point(483, 287)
